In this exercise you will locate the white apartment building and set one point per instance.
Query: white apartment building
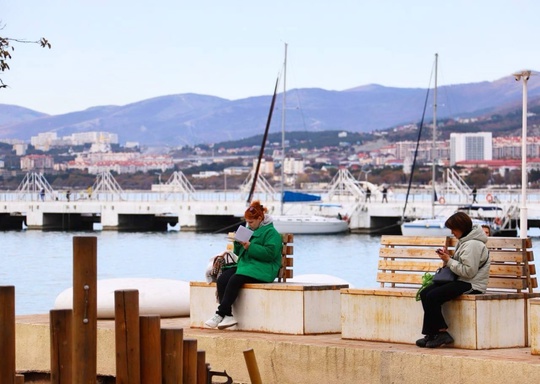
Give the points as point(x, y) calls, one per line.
point(31, 162)
point(266, 168)
point(470, 146)
point(292, 166)
point(510, 147)
point(129, 162)
point(44, 141)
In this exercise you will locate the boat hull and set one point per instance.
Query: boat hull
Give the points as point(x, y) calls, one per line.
point(310, 225)
point(428, 227)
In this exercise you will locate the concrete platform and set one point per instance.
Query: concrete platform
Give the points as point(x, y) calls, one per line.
point(292, 308)
point(297, 359)
point(488, 321)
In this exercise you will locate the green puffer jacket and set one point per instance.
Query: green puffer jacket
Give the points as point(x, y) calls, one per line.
point(263, 257)
point(470, 254)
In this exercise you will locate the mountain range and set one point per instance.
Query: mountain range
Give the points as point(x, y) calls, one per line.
point(190, 119)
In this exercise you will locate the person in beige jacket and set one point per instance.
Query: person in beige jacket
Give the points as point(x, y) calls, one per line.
point(470, 262)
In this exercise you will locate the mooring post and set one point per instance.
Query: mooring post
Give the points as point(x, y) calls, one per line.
point(190, 361)
point(202, 368)
point(127, 336)
point(61, 325)
point(253, 369)
point(150, 330)
point(84, 370)
point(172, 359)
point(7, 334)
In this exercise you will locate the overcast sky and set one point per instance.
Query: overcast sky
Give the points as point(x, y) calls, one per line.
point(117, 52)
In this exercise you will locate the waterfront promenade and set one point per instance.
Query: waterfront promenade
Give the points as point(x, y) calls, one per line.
point(288, 359)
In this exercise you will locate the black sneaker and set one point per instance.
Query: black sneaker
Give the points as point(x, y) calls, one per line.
point(442, 338)
point(423, 341)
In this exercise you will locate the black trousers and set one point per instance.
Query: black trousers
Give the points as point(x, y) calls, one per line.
point(228, 287)
point(433, 297)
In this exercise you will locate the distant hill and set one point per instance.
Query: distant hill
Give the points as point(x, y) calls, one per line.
point(177, 120)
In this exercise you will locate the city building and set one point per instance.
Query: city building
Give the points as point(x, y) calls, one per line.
point(37, 162)
point(470, 146)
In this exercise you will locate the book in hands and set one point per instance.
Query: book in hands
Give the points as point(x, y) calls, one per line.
point(243, 234)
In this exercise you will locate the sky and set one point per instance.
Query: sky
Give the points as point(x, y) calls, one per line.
point(120, 52)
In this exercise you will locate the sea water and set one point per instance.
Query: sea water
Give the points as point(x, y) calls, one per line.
point(40, 263)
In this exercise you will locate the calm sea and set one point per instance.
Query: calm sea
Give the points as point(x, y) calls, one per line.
point(40, 264)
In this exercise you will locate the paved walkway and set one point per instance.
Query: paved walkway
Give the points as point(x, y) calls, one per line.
point(214, 342)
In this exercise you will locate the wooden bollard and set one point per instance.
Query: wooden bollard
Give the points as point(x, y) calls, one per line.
point(202, 368)
point(190, 361)
point(172, 359)
point(7, 334)
point(253, 369)
point(61, 345)
point(19, 379)
point(84, 368)
point(127, 335)
point(150, 328)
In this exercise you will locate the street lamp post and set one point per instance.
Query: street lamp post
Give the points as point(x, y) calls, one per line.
point(523, 225)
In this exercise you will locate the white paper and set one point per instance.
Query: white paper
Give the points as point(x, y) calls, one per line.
point(243, 234)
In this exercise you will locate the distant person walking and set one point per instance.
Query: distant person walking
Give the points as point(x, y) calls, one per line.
point(384, 195)
point(68, 195)
point(368, 194)
point(474, 195)
point(42, 194)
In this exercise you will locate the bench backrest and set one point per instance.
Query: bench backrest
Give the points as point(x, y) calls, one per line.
point(403, 260)
point(286, 271)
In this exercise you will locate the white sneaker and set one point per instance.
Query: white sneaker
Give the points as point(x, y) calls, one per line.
point(214, 321)
point(228, 321)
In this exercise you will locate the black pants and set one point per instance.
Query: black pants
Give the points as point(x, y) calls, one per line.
point(228, 287)
point(433, 297)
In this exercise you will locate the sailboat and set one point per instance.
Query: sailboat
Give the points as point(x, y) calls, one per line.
point(433, 226)
point(301, 224)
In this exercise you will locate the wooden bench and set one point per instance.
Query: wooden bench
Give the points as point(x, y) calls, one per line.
point(496, 319)
point(278, 307)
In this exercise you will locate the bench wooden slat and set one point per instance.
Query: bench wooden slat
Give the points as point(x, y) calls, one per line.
point(399, 278)
point(435, 241)
point(507, 270)
point(412, 253)
point(510, 256)
point(406, 265)
point(507, 283)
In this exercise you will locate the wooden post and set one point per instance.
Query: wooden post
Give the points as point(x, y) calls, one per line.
point(84, 370)
point(190, 361)
point(7, 334)
point(202, 368)
point(253, 369)
point(19, 379)
point(150, 349)
point(127, 335)
point(61, 324)
point(172, 355)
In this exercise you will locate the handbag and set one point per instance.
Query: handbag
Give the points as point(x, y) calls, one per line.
point(218, 263)
point(444, 275)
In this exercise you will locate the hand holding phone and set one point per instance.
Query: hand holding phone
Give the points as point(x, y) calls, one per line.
point(439, 251)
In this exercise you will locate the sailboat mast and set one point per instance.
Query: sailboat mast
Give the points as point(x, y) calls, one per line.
point(283, 129)
point(433, 146)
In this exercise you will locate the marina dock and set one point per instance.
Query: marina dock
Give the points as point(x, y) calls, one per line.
point(176, 205)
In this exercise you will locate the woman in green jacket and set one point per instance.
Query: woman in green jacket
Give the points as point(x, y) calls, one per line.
point(259, 260)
